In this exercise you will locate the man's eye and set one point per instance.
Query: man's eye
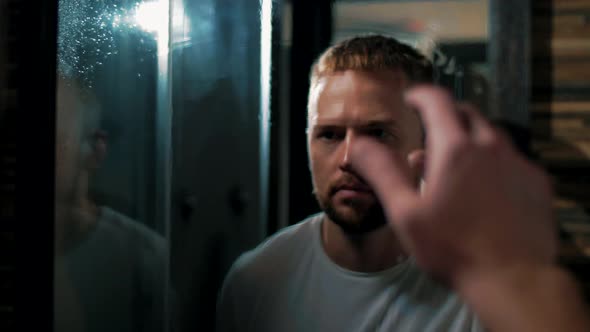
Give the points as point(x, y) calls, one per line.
point(382, 134)
point(378, 133)
point(328, 134)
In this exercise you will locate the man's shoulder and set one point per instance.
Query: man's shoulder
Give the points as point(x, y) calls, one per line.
point(291, 240)
point(279, 251)
point(128, 232)
point(290, 235)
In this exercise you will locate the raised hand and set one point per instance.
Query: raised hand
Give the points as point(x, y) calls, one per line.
point(483, 207)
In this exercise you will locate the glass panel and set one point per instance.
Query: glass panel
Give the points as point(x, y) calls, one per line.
point(453, 33)
point(219, 147)
point(112, 177)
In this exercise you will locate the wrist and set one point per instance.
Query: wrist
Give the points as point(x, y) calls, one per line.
point(525, 298)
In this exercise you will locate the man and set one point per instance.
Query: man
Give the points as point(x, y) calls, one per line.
point(109, 269)
point(345, 269)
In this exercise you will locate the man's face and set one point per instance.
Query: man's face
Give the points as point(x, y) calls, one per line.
point(344, 107)
point(68, 140)
point(77, 147)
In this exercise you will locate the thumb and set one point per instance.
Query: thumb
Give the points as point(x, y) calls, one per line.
point(388, 174)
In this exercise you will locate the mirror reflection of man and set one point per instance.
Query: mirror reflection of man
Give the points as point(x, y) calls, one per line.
point(109, 272)
point(344, 269)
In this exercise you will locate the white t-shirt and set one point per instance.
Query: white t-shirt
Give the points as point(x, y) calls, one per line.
point(288, 283)
point(112, 281)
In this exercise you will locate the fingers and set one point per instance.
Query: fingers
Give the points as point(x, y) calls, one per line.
point(438, 112)
point(487, 136)
point(449, 124)
point(417, 161)
point(480, 129)
point(387, 173)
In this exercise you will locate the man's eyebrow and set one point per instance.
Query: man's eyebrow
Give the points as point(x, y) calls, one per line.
point(326, 125)
point(380, 123)
point(366, 124)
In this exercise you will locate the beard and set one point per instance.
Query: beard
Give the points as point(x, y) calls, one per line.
point(352, 217)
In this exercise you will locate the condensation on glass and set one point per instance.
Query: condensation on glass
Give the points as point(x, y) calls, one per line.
point(148, 220)
point(452, 33)
point(111, 243)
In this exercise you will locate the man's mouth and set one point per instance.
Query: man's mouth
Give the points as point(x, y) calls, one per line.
point(351, 188)
point(354, 187)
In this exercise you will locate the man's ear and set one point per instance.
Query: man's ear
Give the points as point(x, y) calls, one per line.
point(417, 162)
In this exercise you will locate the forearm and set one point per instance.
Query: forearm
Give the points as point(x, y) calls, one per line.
point(527, 299)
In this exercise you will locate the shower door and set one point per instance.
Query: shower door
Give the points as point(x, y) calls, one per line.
point(161, 158)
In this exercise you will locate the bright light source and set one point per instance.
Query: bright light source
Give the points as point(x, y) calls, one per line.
point(265, 79)
point(152, 16)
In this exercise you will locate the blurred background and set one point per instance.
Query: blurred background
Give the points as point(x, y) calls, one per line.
point(173, 135)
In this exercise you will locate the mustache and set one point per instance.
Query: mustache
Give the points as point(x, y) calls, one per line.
point(351, 183)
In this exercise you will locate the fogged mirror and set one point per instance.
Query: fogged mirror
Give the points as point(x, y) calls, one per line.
point(111, 248)
point(157, 103)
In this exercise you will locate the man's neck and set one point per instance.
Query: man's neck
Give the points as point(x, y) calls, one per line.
point(370, 252)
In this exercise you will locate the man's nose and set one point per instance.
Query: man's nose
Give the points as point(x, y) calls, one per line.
point(345, 158)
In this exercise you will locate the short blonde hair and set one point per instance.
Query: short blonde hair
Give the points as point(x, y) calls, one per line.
point(372, 53)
